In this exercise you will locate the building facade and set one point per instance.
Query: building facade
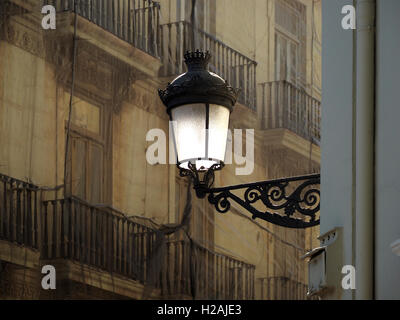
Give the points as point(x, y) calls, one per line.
point(77, 191)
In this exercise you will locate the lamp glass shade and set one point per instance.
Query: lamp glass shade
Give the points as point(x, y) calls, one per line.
point(200, 133)
point(218, 131)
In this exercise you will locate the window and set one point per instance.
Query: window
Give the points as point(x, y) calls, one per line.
point(87, 165)
point(87, 170)
point(290, 42)
point(287, 56)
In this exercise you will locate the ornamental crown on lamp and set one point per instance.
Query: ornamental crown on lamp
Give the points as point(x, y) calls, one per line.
point(198, 85)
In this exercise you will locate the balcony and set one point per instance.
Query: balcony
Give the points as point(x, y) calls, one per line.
point(107, 240)
point(282, 288)
point(19, 222)
point(195, 271)
point(286, 106)
point(237, 69)
point(18, 212)
point(138, 23)
point(86, 241)
point(98, 237)
point(134, 21)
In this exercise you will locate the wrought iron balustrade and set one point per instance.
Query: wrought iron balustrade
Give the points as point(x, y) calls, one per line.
point(191, 269)
point(101, 237)
point(134, 21)
point(287, 106)
point(18, 212)
point(75, 230)
point(236, 68)
point(282, 288)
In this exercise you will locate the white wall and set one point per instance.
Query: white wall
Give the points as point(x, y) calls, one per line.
point(387, 219)
point(337, 127)
point(338, 142)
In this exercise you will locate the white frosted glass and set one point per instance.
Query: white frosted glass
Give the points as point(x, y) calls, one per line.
point(218, 132)
point(190, 135)
point(189, 131)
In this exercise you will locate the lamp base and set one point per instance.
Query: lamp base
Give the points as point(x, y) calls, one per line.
point(202, 180)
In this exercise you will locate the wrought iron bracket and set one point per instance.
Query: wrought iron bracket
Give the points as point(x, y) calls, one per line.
point(202, 181)
point(289, 202)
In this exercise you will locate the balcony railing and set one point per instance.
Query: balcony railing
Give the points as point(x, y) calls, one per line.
point(18, 212)
point(282, 288)
point(134, 21)
point(104, 238)
point(287, 106)
point(100, 237)
point(193, 270)
point(237, 69)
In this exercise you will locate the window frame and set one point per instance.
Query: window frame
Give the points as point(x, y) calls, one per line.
point(91, 139)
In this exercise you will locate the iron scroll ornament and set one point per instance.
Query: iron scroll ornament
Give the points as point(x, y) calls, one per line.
point(300, 206)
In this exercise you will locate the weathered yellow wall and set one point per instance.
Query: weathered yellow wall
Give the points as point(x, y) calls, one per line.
point(139, 187)
point(34, 110)
point(28, 95)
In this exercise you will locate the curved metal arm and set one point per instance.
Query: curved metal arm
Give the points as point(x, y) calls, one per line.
point(289, 202)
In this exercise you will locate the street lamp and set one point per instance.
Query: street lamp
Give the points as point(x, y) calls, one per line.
point(199, 104)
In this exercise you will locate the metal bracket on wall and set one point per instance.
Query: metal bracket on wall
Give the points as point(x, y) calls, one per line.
point(289, 202)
